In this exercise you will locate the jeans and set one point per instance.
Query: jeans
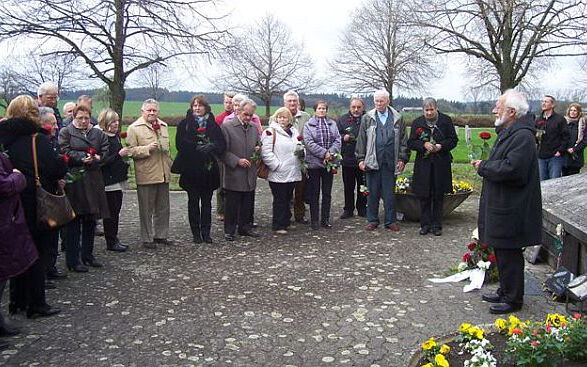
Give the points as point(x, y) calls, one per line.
point(550, 167)
point(381, 185)
point(82, 226)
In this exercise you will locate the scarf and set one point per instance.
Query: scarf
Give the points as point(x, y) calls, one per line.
point(580, 127)
point(325, 138)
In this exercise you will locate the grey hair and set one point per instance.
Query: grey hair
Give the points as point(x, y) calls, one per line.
point(150, 101)
point(246, 102)
point(229, 94)
point(516, 101)
point(45, 113)
point(291, 93)
point(47, 87)
point(429, 102)
point(67, 105)
point(359, 99)
point(381, 93)
point(237, 98)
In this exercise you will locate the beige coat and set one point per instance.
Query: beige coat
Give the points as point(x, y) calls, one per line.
point(151, 167)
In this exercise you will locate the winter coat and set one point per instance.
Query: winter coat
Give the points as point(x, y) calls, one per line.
point(278, 154)
point(151, 166)
point(348, 124)
point(555, 137)
point(510, 207)
point(114, 167)
point(436, 164)
point(15, 135)
point(575, 160)
point(240, 144)
point(17, 249)
point(86, 195)
point(315, 152)
point(366, 149)
point(198, 168)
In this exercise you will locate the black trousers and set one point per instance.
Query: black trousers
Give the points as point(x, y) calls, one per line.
point(282, 195)
point(82, 227)
point(319, 180)
point(200, 212)
point(567, 171)
point(352, 179)
point(53, 249)
point(238, 211)
point(27, 290)
point(431, 205)
point(111, 224)
point(510, 265)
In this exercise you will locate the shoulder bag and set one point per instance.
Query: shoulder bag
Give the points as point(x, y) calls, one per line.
point(262, 168)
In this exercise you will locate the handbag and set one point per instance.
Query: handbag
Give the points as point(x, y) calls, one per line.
point(262, 168)
point(52, 210)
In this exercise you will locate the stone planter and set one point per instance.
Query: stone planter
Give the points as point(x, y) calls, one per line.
point(409, 204)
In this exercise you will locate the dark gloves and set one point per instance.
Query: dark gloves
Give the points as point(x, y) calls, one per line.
point(205, 148)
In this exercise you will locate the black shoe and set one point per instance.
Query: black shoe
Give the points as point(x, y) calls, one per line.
point(197, 239)
point(302, 221)
point(437, 231)
point(254, 225)
point(362, 214)
point(79, 268)
point(9, 331)
point(492, 298)
point(229, 237)
point(326, 224)
point(207, 239)
point(163, 241)
point(249, 234)
point(424, 230)
point(93, 263)
point(117, 247)
point(44, 311)
point(50, 285)
point(14, 309)
point(315, 225)
point(4, 345)
point(56, 274)
point(346, 215)
point(501, 308)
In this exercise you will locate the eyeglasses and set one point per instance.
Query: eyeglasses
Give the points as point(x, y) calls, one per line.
point(82, 118)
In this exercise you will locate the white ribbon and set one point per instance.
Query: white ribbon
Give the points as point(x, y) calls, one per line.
point(476, 276)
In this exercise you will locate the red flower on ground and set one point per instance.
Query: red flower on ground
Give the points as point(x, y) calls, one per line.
point(300, 138)
point(492, 259)
point(201, 130)
point(268, 133)
point(91, 151)
point(471, 246)
point(535, 332)
point(535, 343)
point(419, 131)
point(65, 158)
point(485, 135)
point(466, 257)
point(548, 328)
point(577, 316)
point(123, 135)
point(517, 331)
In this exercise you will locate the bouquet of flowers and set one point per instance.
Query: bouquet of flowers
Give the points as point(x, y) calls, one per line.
point(461, 186)
point(426, 138)
point(348, 132)
point(300, 152)
point(402, 185)
point(479, 256)
point(256, 156)
point(333, 163)
point(201, 137)
point(540, 130)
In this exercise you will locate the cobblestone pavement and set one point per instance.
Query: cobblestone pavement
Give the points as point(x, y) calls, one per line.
point(339, 297)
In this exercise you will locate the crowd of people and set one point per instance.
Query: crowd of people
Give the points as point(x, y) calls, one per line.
point(89, 159)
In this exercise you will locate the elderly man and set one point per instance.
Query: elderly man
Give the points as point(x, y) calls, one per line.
point(352, 176)
point(68, 109)
point(148, 140)
point(510, 207)
point(228, 109)
point(291, 100)
point(382, 152)
point(432, 136)
point(553, 135)
point(240, 174)
point(48, 96)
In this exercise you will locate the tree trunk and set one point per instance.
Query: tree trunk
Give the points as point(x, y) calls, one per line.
point(117, 96)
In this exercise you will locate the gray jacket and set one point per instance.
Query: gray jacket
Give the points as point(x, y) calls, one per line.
point(240, 143)
point(366, 150)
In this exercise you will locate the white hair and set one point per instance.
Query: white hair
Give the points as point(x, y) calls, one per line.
point(47, 87)
point(381, 93)
point(45, 114)
point(67, 105)
point(516, 101)
point(291, 93)
point(238, 98)
point(148, 102)
point(245, 102)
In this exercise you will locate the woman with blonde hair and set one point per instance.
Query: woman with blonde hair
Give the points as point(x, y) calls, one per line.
point(280, 143)
point(574, 159)
point(115, 175)
point(17, 131)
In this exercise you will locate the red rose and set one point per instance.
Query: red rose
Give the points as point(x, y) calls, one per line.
point(466, 257)
point(471, 246)
point(492, 259)
point(548, 328)
point(300, 138)
point(485, 135)
point(123, 135)
point(541, 123)
point(334, 171)
point(484, 246)
point(65, 158)
point(419, 131)
point(268, 133)
point(47, 128)
point(91, 151)
point(201, 130)
point(365, 193)
point(156, 126)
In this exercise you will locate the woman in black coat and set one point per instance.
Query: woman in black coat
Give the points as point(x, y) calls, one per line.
point(432, 136)
point(199, 142)
point(27, 291)
point(115, 174)
point(574, 159)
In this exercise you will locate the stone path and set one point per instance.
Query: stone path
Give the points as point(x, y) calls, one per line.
point(339, 297)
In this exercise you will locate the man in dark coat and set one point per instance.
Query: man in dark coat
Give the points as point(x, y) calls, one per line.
point(352, 176)
point(432, 136)
point(552, 138)
point(510, 208)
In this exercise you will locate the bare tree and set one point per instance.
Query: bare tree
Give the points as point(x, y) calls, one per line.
point(379, 50)
point(509, 37)
point(155, 78)
point(265, 61)
point(116, 38)
point(10, 86)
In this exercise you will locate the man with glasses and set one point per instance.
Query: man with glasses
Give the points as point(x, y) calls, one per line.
point(48, 96)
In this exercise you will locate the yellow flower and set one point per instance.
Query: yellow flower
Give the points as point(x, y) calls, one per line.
point(441, 361)
point(465, 327)
point(556, 320)
point(479, 334)
point(427, 365)
point(444, 349)
point(501, 325)
point(429, 344)
point(514, 320)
